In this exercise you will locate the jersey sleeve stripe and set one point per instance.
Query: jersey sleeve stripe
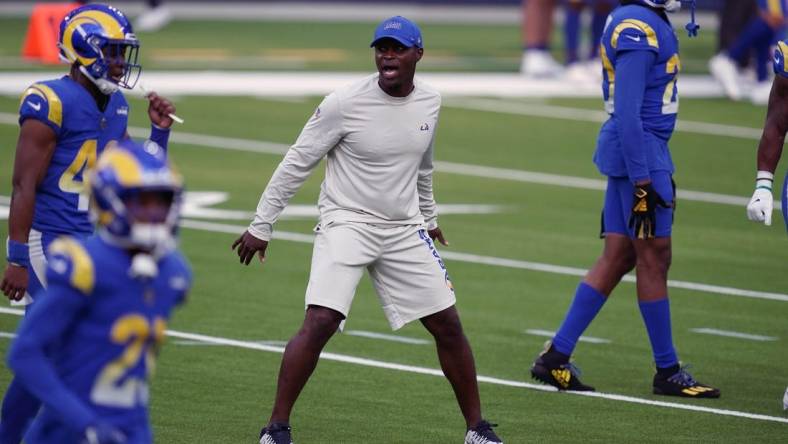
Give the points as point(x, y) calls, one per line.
point(611, 72)
point(82, 275)
point(783, 48)
point(651, 36)
point(775, 8)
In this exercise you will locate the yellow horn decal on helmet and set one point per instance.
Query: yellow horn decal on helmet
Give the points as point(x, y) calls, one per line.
point(108, 23)
point(68, 33)
point(112, 30)
point(125, 165)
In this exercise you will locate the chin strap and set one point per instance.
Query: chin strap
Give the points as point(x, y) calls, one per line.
point(105, 86)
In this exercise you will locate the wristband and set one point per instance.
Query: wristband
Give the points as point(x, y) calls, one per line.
point(17, 253)
point(159, 136)
point(764, 180)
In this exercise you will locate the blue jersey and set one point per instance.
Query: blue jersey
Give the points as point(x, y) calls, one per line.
point(781, 59)
point(775, 8)
point(97, 333)
point(82, 131)
point(637, 28)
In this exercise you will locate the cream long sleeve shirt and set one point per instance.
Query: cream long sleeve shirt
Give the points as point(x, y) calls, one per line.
point(378, 151)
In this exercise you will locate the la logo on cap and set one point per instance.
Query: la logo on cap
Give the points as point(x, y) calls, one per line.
point(393, 25)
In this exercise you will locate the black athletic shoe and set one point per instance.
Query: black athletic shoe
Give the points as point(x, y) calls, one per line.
point(681, 383)
point(276, 433)
point(482, 433)
point(554, 368)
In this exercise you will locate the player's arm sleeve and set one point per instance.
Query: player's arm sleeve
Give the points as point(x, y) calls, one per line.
point(40, 102)
point(320, 134)
point(47, 321)
point(184, 279)
point(427, 205)
point(780, 59)
point(632, 68)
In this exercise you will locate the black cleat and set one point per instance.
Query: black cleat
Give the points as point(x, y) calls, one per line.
point(554, 368)
point(276, 433)
point(681, 383)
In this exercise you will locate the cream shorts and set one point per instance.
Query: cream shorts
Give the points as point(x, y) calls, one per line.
point(408, 274)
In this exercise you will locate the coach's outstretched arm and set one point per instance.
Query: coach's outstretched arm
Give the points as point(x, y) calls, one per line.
point(770, 149)
point(320, 134)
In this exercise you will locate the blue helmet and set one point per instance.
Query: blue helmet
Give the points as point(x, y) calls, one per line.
point(91, 36)
point(125, 172)
point(668, 5)
point(673, 6)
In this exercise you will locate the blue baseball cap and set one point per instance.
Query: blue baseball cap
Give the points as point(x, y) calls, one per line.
point(400, 29)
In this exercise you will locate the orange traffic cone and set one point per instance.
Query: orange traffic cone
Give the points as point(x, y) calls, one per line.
point(43, 29)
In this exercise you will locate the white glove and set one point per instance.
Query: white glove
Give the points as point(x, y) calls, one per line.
point(761, 206)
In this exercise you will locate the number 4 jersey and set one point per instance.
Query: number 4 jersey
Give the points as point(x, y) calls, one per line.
point(82, 131)
point(638, 28)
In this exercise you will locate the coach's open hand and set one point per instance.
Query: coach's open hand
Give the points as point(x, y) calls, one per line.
point(436, 233)
point(248, 245)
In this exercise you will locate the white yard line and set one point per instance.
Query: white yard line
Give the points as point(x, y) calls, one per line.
point(486, 172)
point(550, 334)
point(336, 357)
point(301, 83)
point(733, 334)
point(189, 342)
point(575, 182)
point(503, 262)
point(596, 116)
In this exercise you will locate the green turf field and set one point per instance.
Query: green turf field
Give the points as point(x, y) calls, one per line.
point(222, 394)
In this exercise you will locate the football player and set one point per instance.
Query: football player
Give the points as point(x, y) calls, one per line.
point(64, 124)
point(572, 25)
point(770, 147)
point(641, 63)
point(759, 35)
point(87, 348)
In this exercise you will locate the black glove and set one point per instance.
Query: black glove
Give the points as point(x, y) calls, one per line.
point(644, 217)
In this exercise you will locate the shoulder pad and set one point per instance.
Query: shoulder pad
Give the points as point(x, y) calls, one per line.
point(780, 54)
point(632, 34)
point(70, 260)
point(42, 103)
